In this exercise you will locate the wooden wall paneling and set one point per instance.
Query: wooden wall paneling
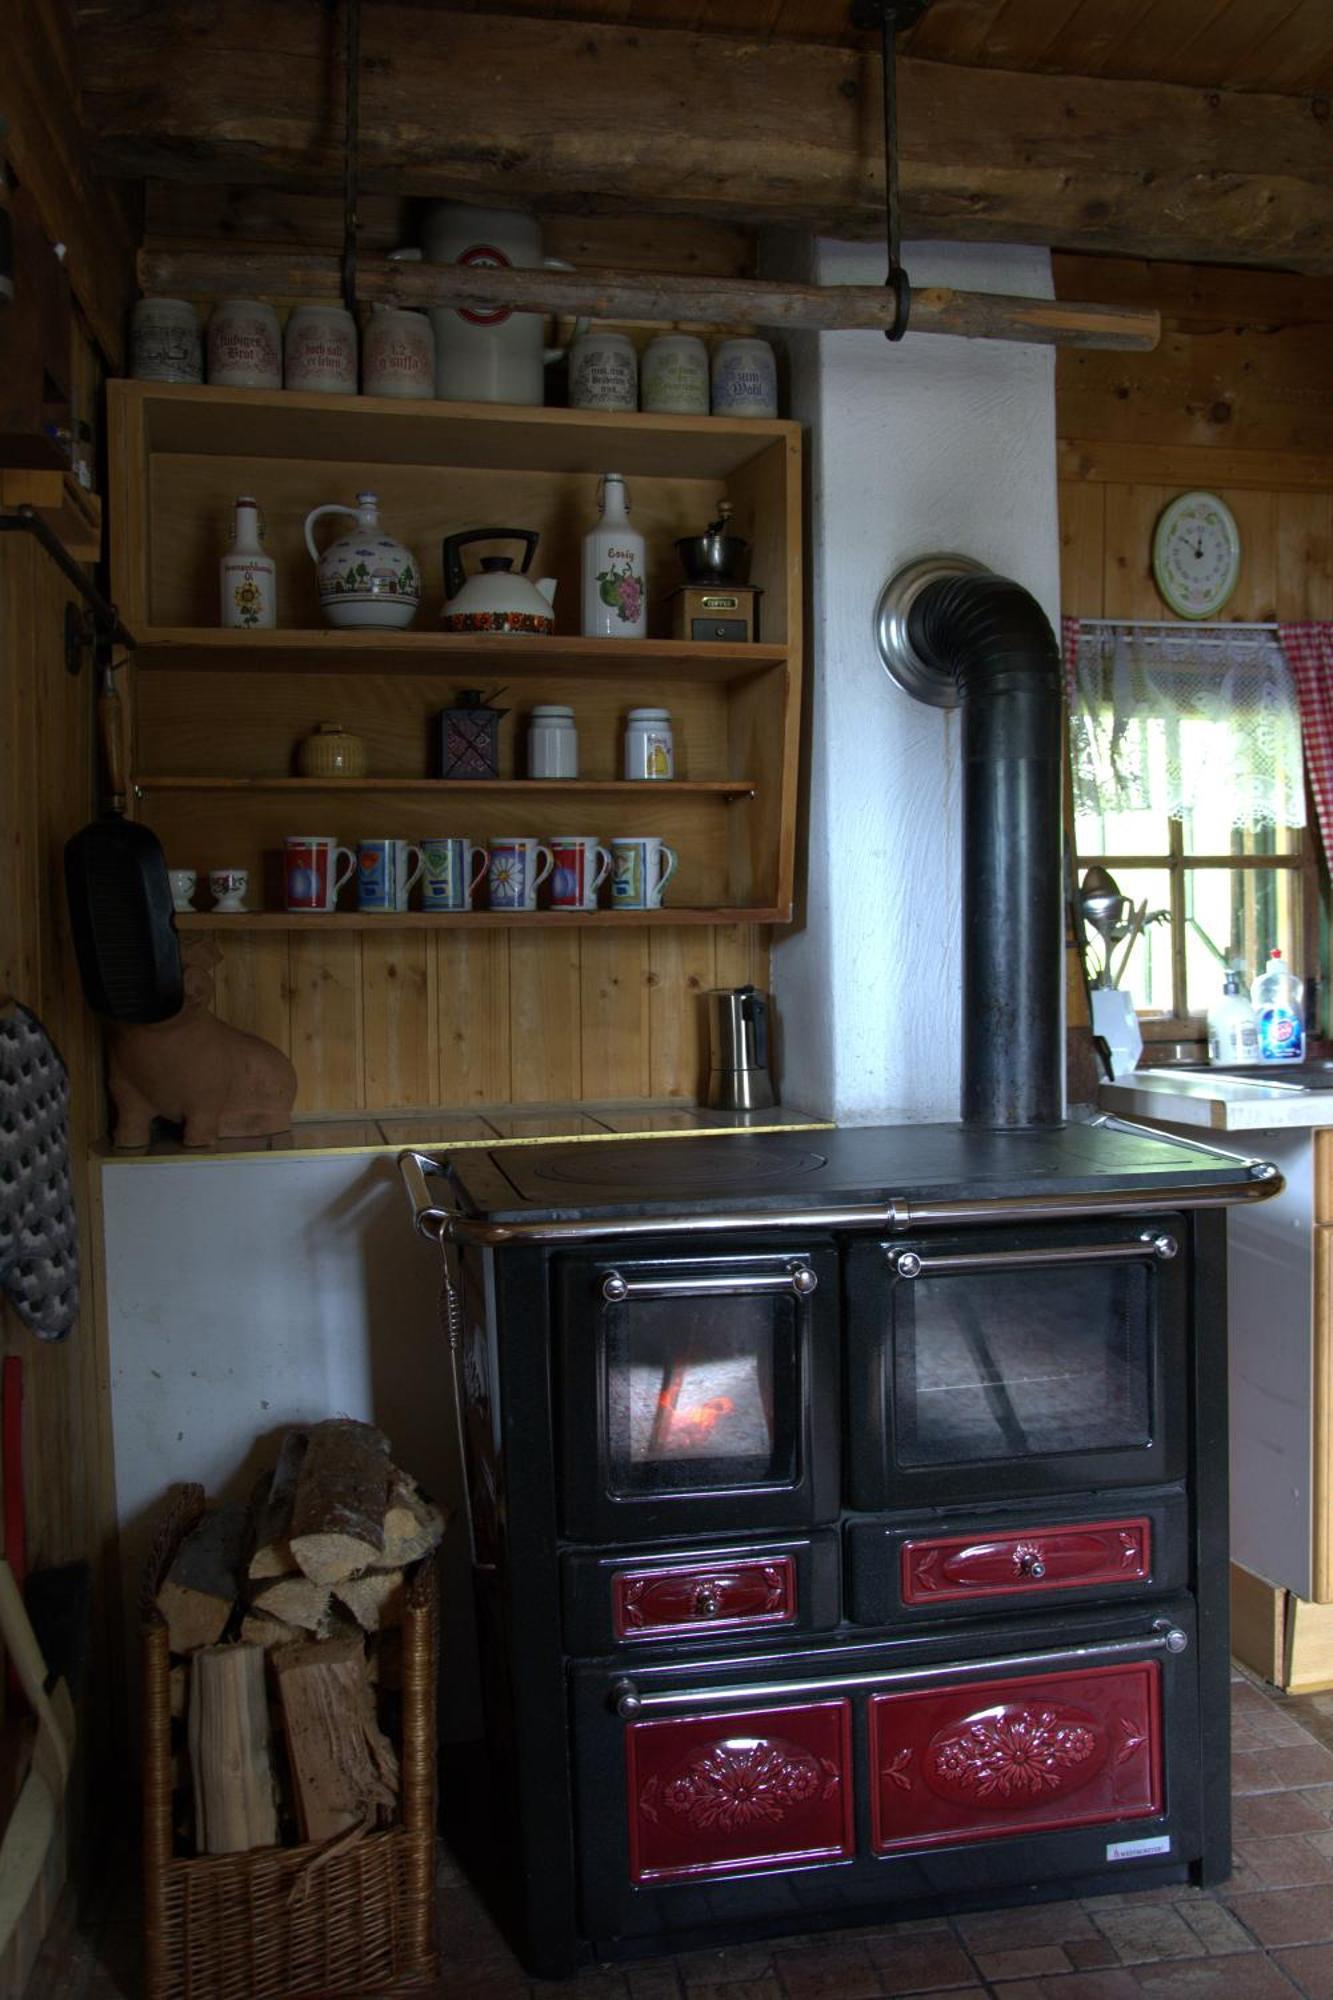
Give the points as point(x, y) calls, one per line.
point(252, 985)
point(680, 971)
point(614, 969)
point(327, 1021)
point(20, 931)
point(545, 1010)
point(1082, 559)
point(1304, 556)
point(1128, 587)
point(400, 1063)
point(472, 993)
point(1255, 595)
point(740, 955)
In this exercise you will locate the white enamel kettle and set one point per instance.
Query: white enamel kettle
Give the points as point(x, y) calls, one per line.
point(483, 355)
point(499, 600)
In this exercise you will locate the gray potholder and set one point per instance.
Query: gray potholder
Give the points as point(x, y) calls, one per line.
point(39, 1242)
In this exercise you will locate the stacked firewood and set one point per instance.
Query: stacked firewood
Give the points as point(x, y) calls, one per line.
point(284, 1616)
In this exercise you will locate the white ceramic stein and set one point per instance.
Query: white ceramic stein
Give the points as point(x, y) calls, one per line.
point(398, 354)
point(164, 342)
point(603, 372)
point(244, 345)
point(745, 379)
point(320, 351)
point(487, 355)
point(673, 376)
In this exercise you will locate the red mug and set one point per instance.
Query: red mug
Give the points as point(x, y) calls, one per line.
point(311, 870)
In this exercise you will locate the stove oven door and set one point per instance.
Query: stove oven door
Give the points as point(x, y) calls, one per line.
point(844, 1782)
point(1004, 1363)
point(698, 1394)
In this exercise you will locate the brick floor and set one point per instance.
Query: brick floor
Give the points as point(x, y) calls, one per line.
point(1267, 1934)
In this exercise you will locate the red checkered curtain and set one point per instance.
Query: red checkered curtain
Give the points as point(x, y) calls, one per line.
point(1309, 653)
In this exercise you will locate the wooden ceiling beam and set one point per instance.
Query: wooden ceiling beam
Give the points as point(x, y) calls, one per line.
point(567, 115)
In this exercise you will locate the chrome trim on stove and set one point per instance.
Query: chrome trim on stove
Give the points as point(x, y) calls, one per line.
point(897, 1217)
point(629, 1700)
point(798, 1278)
point(911, 1263)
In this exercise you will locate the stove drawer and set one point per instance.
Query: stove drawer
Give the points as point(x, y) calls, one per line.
point(1136, 1544)
point(614, 1599)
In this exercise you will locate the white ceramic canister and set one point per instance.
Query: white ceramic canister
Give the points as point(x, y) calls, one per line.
point(164, 342)
point(487, 354)
point(248, 576)
point(320, 351)
point(649, 745)
point(553, 742)
point(745, 379)
point(673, 376)
point(244, 345)
point(398, 354)
point(603, 372)
point(615, 591)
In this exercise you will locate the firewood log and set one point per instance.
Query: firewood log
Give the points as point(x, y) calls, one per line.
point(273, 1516)
point(342, 1496)
point(413, 1526)
point(344, 1770)
point(294, 1599)
point(203, 1582)
point(234, 1806)
point(258, 1628)
point(375, 1598)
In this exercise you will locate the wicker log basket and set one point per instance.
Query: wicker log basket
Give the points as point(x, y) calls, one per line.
point(327, 1918)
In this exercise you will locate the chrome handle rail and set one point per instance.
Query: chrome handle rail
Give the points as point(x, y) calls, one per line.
point(797, 1278)
point(628, 1699)
point(913, 1264)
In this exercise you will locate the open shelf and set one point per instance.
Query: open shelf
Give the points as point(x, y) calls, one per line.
point(656, 789)
point(204, 649)
point(345, 921)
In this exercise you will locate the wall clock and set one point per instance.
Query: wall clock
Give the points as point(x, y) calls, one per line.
point(1196, 554)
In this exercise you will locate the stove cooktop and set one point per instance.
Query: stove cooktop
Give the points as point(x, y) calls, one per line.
point(858, 1166)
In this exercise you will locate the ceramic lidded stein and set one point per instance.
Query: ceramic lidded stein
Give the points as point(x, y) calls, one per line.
point(365, 578)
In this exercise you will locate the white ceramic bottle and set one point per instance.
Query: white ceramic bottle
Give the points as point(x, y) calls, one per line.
point(614, 585)
point(248, 576)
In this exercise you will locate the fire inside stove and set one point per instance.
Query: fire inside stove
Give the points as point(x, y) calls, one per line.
point(692, 1403)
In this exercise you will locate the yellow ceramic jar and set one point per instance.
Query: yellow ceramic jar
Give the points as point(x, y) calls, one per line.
point(332, 752)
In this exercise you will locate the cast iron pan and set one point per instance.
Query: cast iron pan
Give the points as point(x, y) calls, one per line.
point(120, 900)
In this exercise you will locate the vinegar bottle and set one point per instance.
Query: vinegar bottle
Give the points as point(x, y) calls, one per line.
point(614, 595)
point(248, 576)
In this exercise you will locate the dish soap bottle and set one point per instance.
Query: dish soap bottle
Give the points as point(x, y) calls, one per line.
point(614, 600)
point(1276, 994)
point(1233, 1033)
point(248, 576)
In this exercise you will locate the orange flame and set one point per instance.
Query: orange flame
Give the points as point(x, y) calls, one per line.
point(705, 1416)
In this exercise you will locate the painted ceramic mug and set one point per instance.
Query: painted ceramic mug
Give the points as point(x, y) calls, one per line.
point(385, 874)
point(453, 868)
point(643, 866)
point(516, 871)
point(313, 876)
point(228, 887)
point(244, 345)
point(183, 881)
point(581, 867)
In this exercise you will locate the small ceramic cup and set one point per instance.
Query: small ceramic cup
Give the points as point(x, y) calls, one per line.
point(228, 887)
point(312, 871)
point(164, 342)
point(452, 872)
point(183, 882)
point(398, 354)
point(603, 372)
point(673, 376)
point(745, 379)
point(386, 871)
point(516, 871)
point(643, 865)
point(319, 351)
point(244, 345)
point(581, 867)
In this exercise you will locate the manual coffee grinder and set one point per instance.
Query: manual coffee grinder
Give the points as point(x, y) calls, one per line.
point(716, 603)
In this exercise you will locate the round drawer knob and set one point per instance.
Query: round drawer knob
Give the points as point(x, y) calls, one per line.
point(707, 1601)
point(1031, 1564)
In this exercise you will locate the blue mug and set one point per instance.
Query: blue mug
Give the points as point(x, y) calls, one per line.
point(517, 869)
point(384, 874)
point(453, 867)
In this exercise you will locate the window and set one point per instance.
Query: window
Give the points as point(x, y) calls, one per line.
point(1189, 789)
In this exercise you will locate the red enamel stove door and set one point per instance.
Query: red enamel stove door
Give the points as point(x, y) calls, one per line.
point(648, 1603)
point(717, 1794)
point(1016, 1756)
point(956, 1566)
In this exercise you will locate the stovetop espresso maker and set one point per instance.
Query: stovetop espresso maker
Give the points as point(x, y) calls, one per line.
point(738, 1078)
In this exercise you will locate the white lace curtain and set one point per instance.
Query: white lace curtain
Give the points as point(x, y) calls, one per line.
point(1138, 696)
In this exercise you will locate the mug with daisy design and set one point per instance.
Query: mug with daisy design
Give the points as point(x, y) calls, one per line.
point(516, 871)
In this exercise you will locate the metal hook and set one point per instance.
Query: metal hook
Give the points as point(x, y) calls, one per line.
point(891, 17)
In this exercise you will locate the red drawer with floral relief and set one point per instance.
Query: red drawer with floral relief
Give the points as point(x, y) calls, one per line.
point(1019, 1756)
point(1064, 1558)
point(719, 1794)
point(652, 1603)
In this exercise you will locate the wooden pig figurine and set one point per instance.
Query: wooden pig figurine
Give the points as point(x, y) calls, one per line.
point(195, 1071)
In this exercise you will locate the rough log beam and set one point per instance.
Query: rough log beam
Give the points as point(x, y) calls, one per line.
point(630, 296)
point(570, 115)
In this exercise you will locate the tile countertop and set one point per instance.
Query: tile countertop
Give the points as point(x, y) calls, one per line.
point(1216, 1100)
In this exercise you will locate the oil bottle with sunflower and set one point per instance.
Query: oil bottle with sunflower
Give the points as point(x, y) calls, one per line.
point(249, 577)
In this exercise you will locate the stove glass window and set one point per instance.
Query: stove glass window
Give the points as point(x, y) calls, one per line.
point(1022, 1364)
point(702, 1393)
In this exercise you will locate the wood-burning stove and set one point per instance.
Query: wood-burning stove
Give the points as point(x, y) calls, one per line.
point(849, 1524)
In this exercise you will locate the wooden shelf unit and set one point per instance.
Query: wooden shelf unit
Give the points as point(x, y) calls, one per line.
point(217, 716)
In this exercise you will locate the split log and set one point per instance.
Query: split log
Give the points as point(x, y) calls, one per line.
point(258, 1628)
point(234, 1806)
point(273, 1515)
point(295, 1600)
point(203, 1582)
point(342, 1497)
point(413, 1526)
point(344, 1770)
point(375, 1598)
point(178, 1688)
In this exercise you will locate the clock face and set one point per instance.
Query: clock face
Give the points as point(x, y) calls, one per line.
point(1196, 554)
